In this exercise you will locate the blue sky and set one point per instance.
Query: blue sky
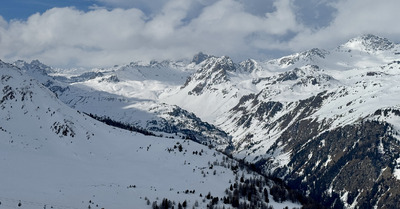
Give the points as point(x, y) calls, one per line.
point(96, 33)
point(22, 9)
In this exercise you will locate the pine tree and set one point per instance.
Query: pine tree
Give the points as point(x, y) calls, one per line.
point(154, 205)
point(266, 195)
point(242, 178)
point(235, 202)
point(164, 204)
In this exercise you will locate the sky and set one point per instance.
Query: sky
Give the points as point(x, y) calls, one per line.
point(101, 33)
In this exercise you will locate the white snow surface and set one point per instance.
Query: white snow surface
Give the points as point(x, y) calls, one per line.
point(55, 157)
point(361, 77)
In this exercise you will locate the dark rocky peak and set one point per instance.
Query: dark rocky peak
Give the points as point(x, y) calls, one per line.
point(200, 57)
point(309, 75)
point(214, 71)
point(164, 63)
point(305, 76)
point(218, 66)
point(155, 64)
point(249, 66)
point(369, 43)
point(307, 56)
point(39, 64)
point(315, 52)
point(132, 64)
point(5, 65)
point(223, 63)
point(376, 42)
point(110, 79)
point(151, 64)
point(291, 75)
point(34, 67)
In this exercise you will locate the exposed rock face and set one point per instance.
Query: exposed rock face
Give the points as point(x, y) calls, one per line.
point(200, 57)
point(350, 162)
point(340, 167)
point(213, 72)
point(371, 43)
point(307, 56)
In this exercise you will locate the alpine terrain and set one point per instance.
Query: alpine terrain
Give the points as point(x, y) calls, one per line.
point(53, 156)
point(319, 128)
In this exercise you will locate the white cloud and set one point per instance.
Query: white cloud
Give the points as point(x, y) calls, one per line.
point(353, 18)
point(3, 23)
point(149, 7)
point(69, 37)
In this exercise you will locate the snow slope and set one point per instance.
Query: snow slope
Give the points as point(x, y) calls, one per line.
point(128, 94)
point(52, 156)
point(295, 117)
point(302, 117)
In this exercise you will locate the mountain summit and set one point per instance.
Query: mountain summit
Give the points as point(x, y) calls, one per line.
point(369, 43)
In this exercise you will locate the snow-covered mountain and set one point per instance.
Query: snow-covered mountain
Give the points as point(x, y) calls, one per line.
point(52, 156)
point(319, 118)
point(128, 94)
point(324, 121)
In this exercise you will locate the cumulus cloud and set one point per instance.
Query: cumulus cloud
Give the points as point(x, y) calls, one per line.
point(353, 18)
point(69, 37)
point(66, 36)
point(175, 29)
point(315, 13)
point(149, 7)
point(3, 23)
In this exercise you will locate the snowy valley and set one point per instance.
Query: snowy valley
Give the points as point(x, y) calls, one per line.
point(326, 122)
point(55, 157)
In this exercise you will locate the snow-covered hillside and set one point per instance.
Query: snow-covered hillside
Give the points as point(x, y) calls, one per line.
point(315, 118)
point(129, 94)
point(299, 121)
point(52, 156)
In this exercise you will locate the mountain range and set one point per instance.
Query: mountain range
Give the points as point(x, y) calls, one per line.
point(320, 128)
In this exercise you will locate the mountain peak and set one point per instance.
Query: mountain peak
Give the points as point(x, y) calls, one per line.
point(200, 57)
point(369, 43)
point(314, 52)
point(4, 64)
point(307, 56)
point(34, 67)
point(249, 65)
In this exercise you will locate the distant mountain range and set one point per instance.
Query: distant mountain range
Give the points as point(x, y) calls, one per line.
point(326, 122)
